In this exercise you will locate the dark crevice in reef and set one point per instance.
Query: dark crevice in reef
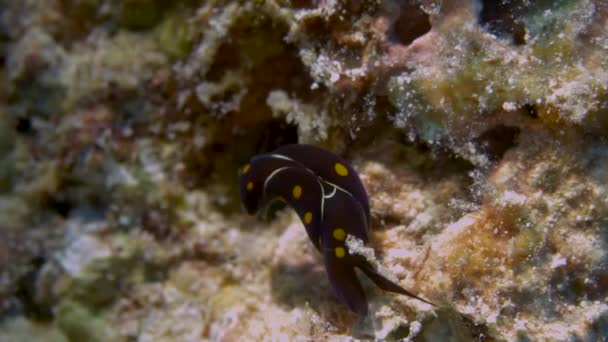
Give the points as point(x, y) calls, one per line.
point(228, 150)
point(367, 128)
point(275, 134)
point(531, 111)
point(411, 24)
point(303, 4)
point(500, 17)
point(236, 132)
point(158, 222)
point(59, 204)
point(228, 57)
point(24, 125)
point(400, 333)
point(431, 162)
point(479, 331)
point(26, 293)
point(219, 161)
point(574, 289)
point(497, 140)
point(597, 329)
point(442, 162)
point(242, 57)
point(508, 18)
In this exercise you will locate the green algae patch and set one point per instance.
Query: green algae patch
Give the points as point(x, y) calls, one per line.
point(96, 279)
point(21, 329)
point(527, 243)
point(414, 107)
point(140, 14)
point(7, 134)
point(78, 323)
point(174, 36)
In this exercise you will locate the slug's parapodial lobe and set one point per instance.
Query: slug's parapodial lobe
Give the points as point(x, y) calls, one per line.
point(343, 216)
point(341, 210)
point(329, 167)
point(303, 192)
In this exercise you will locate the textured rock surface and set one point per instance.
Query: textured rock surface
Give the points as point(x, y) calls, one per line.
point(479, 129)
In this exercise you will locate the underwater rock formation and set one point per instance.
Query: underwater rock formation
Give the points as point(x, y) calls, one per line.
point(478, 128)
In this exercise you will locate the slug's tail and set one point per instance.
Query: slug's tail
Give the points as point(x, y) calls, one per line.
point(384, 283)
point(345, 283)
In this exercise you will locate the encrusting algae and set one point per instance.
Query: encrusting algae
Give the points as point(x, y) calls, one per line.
point(477, 127)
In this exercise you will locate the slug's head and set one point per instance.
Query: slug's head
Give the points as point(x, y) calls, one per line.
point(251, 188)
point(253, 177)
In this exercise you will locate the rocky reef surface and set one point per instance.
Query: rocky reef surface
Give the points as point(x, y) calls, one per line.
point(478, 127)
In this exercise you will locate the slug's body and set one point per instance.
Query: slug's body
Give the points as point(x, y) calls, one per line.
point(332, 203)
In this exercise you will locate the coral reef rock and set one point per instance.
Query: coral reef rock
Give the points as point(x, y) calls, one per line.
point(479, 129)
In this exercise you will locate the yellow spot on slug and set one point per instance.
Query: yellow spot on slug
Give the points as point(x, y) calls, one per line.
point(246, 168)
point(341, 170)
point(297, 192)
point(339, 234)
point(307, 217)
point(340, 252)
point(250, 186)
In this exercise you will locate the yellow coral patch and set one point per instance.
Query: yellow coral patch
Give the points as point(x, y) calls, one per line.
point(250, 186)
